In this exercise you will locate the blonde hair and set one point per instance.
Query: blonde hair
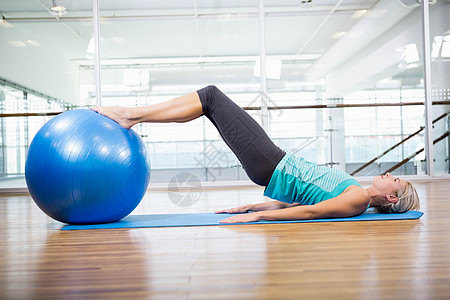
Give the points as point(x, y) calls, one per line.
point(407, 200)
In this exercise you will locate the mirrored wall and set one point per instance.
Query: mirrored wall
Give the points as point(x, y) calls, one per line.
point(344, 79)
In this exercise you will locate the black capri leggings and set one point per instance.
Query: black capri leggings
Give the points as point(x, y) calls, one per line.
point(255, 150)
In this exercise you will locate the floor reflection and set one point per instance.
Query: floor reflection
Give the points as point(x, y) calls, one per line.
point(321, 259)
point(85, 264)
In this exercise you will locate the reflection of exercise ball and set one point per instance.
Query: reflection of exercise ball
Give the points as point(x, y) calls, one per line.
point(83, 168)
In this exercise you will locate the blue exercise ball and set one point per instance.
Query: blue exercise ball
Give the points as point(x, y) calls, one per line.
point(84, 168)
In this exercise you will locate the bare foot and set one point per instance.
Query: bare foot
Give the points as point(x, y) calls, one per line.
point(118, 114)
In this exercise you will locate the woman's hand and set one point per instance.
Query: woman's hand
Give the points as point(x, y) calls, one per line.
point(244, 218)
point(237, 210)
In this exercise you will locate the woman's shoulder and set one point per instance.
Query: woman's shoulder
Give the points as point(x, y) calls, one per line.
point(357, 193)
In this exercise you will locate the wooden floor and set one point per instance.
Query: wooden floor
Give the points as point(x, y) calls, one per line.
point(348, 260)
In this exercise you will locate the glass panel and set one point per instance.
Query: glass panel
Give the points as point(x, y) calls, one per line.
point(440, 82)
point(39, 69)
point(11, 154)
point(320, 55)
point(353, 69)
point(163, 51)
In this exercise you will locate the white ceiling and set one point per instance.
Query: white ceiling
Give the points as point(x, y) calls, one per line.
point(43, 52)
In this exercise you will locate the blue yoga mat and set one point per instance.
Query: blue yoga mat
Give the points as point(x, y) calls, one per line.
point(208, 219)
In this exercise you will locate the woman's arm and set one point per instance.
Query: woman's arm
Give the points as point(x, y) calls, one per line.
point(351, 203)
point(271, 205)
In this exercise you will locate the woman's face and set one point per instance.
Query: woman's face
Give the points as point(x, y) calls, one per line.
point(388, 184)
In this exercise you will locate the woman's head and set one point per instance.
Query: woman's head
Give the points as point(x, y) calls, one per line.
point(397, 195)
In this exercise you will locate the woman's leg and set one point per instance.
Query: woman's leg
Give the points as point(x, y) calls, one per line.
point(255, 150)
point(181, 109)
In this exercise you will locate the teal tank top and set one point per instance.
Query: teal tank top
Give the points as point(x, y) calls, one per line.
point(304, 182)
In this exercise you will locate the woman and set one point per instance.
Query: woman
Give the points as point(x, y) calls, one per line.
point(301, 190)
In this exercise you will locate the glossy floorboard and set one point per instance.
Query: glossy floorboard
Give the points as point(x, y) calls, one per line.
point(350, 260)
